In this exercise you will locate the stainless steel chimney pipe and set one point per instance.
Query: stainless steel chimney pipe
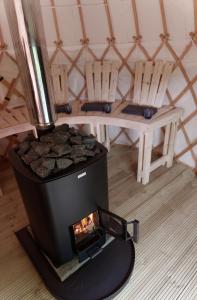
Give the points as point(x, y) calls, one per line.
point(26, 26)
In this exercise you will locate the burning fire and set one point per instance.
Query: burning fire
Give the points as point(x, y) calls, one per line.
point(86, 225)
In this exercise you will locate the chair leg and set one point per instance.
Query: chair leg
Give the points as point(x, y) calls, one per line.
point(35, 133)
point(148, 145)
point(166, 139)
point(140, 157)
point(172, 139)
point(92, 129)
point(102, 130)
point(98, 133)
point(107, 139)
point(102, 134)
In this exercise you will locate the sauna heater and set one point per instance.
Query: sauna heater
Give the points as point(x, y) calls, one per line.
point(68, 209)
point(64, 209)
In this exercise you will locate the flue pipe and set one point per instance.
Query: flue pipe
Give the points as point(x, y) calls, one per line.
point(27, 30)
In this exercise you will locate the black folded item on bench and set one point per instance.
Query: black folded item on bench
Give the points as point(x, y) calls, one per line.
point(97, 106)
point(63, 108)
point(146, 111)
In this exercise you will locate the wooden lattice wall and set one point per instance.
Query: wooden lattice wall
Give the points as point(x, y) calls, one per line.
point(112, 49)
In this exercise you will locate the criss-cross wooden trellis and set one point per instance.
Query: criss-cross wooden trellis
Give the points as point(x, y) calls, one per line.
point(124, 63)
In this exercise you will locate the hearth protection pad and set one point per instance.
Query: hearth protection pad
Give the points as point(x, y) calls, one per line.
point(101, 277)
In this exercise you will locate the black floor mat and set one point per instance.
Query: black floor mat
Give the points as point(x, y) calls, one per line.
point(98, 279)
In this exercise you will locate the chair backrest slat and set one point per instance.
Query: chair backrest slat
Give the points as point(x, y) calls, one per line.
point(113, 82)
point(60, 83)
point(163, 84)
point(155, 82)
point(101, 81)
point(146, 82)
point(138, 81)
point(106, 80)
point(151, 82)
point(90, 81)
point(97, 80)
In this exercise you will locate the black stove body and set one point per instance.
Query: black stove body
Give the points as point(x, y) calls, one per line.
point(54, 204)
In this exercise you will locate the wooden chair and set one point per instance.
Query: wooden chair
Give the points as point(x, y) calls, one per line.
point(101, 78)
point(150, 84)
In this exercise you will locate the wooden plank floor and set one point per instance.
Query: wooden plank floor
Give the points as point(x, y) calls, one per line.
point(166, 255)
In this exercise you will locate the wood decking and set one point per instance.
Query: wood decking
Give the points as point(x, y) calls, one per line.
point(166, 255)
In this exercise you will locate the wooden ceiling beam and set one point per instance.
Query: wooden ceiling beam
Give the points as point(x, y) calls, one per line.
point(195, 15)
point(109, 20)
point(55, 20)
point(163, 18)
point(136, 21)
point(85, 39)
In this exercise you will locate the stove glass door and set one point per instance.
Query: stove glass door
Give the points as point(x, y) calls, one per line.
point(113, 224)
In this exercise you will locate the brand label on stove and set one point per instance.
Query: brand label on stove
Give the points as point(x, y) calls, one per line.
point(81, 175)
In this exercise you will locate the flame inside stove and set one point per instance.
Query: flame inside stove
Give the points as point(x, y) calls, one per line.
point(85, 226)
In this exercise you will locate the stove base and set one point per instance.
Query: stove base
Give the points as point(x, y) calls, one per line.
point(99, 278)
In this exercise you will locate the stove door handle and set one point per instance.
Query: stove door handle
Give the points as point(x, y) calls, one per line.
point(135, 236)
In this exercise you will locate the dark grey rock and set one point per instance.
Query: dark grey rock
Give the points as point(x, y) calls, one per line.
point(54, 137)
point(60, 138)
point(61, 149)
point(90, 153)
point(23, 147)
point(78, 150)
point(30, 156)
point(48, 163)
point(73, 131)
point(76, 140)
point(79, 159)
point(36, 163)
point(63, 127)
point(51, 155)
point(90, 146)
point(89, 141)
point(41, 148)
point(63, 163)
point(57, 150)
point(47, 138)
point(42, 172)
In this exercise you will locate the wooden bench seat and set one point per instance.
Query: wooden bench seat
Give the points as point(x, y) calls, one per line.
point(150, 84)
point(167, 117)
point(149, 88)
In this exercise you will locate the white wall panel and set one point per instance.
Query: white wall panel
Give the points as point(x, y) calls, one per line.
point(180, 18)
point(122, 20)
point(149, 19)
point(95, 21)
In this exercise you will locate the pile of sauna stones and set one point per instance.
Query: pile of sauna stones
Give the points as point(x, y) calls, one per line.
point(57, 150)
